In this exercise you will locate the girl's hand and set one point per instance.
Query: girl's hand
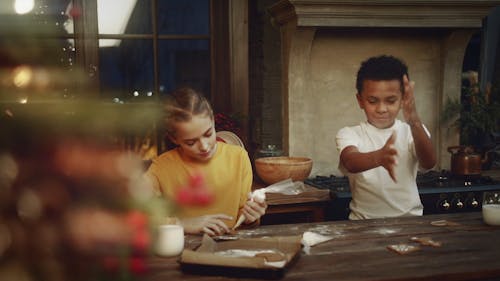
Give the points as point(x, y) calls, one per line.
point(253, 210)
point(209, 224)
point(408, 105)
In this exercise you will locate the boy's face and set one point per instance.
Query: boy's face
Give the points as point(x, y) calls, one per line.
point(381, 101)
point(196, 138)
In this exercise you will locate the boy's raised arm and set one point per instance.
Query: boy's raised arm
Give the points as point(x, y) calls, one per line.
point(356, 162)
point(423, 145)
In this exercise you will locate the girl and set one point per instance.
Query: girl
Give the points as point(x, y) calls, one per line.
point(225, 168)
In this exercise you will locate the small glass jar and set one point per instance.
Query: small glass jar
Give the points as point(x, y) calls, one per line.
point(270, 150)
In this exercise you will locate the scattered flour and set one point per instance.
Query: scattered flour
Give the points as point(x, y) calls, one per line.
point(385, 231)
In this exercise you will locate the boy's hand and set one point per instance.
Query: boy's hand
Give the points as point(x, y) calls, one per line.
point(387, 156)
point(253, 210)
point(408, 103)
point(209, 224)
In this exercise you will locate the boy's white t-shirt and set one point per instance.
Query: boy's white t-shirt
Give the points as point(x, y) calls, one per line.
point(374, 193)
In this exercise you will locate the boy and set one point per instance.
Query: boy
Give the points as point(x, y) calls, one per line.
point(381, 156)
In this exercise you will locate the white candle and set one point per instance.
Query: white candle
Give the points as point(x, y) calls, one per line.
point(491, 214)
point(491, 207)
point(170, 240)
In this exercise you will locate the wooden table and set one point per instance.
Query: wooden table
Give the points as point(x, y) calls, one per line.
point(469, 251)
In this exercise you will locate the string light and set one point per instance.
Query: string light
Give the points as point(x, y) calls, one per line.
point(24, 6)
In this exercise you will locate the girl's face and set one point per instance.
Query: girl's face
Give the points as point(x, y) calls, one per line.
point(196, 138)
point(381, 101)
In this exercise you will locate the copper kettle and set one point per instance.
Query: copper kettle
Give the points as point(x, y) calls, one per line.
point(465, 161)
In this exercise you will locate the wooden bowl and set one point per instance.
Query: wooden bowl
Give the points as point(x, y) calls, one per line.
point(274, 169)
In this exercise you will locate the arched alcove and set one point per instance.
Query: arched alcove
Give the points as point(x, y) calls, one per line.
point(323, 43)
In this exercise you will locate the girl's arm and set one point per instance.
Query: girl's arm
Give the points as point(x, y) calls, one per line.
point(253, 208)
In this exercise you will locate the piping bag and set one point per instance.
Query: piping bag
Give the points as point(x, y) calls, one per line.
point(258, 195)
point(287, 187)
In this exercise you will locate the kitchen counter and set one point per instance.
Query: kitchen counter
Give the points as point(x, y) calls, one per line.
point(440, 192)
point(307, 206)
point(470, 251)
point(493, 173)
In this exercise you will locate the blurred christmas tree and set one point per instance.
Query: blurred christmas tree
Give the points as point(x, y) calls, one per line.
point(73, 205)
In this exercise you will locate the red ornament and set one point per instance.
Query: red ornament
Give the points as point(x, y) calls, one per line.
point(197, 181)
point(184, 196)
point(196, 193)
point(111, 263)
point(141, 241)
point(137, 265)
point(203, 197)
point(137, 220)
point(75, 11)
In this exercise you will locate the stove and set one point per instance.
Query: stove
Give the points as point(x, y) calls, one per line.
point(440, 192)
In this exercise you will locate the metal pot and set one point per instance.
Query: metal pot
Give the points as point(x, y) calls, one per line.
point(465, 161)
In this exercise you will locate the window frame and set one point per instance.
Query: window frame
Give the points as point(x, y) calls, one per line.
point(228, 52)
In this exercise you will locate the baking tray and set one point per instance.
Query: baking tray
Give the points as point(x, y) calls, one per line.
point(206, 259)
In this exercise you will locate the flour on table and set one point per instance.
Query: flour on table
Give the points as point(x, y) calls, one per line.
point(385, 230)
point(327, 230)
point(252, 232)
point(273, 258)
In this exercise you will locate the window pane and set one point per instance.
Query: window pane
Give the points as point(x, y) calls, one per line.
point(37, 56)
point(57, 12)
point(53, 15)
point(126, 71)
point(48, 18)
point(37, 69)
point(184, 63)
point(183, 17)
point(124, 16)
point(35, 34)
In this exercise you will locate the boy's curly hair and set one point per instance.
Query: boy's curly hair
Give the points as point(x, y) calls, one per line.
point(382, 67)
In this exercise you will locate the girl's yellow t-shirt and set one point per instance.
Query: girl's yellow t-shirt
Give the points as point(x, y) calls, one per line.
point(228, 175)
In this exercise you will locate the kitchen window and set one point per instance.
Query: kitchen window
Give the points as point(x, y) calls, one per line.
point(131, 51)
point(145, 48)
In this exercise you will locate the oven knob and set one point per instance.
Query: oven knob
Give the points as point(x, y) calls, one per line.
point(471, 201)
point(445, 205)
point(474, 203)
point(459, 204)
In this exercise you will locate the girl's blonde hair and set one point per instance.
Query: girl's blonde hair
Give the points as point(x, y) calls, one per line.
point(181, 105)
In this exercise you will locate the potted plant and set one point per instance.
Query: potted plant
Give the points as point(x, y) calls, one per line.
point(476, 115)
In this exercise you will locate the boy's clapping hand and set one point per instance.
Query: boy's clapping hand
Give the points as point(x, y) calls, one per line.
point(408, 104)
point(387, 156)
